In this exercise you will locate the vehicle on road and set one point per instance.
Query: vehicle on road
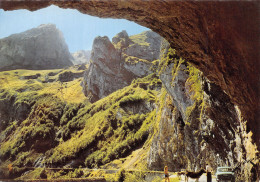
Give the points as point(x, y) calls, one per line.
point(225, 174)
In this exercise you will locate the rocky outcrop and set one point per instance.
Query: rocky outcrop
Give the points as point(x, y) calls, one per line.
point(145, 46)
point(39, 48)
point(214, 36)
point(12, 110)
point(104, 75)
point(198, 123)
point(31, 76)
point(167, 147)
point(112, 68)
point(211, 132)
point(122, 38)
point(81, 57)
point(68, 76)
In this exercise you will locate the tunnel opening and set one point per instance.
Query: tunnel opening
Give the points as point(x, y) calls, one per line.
point(227, 62)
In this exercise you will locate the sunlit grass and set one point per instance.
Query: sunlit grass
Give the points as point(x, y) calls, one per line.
point(112, 135)
point(102, 132)
point(133, 60)
point(13, 82)
point(140, 39)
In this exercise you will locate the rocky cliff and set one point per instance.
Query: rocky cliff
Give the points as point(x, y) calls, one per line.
point(81, 57)
point(39, 48)
point(115, 64)
point(198, 123)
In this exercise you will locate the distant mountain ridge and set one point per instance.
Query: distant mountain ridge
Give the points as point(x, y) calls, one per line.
point(81, 57)
point(43, 47)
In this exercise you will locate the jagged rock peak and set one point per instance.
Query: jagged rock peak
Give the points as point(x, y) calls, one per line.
point(102, 41)
point(115, 65)
point(43, 47)
point(120, 35)
point(47, 26)
point(123, 38)
point(103, 50)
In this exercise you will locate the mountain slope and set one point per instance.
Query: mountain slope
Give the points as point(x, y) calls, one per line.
point(56, 134)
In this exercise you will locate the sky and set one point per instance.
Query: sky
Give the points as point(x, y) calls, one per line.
point(79, 29)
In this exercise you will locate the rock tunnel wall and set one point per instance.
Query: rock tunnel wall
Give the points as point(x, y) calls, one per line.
point(219, 38)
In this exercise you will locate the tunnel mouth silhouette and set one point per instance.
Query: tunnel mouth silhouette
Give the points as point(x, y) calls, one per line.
point(222, 45)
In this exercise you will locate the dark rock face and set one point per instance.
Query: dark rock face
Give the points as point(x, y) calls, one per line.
point(10, 110)
point(167, 147)
point(179, 93)
point(198, 123)
point(112, 67)
point(40, 48)
point(219, 38)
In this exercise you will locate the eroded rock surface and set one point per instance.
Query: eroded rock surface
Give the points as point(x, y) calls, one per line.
point(39, 48)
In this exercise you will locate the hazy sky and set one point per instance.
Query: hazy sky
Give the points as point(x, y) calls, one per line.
point(78, 29)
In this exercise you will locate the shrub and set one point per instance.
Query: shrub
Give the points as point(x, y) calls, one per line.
point(121, 175)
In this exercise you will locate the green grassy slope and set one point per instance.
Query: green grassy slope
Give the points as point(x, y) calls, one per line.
point(59, 127)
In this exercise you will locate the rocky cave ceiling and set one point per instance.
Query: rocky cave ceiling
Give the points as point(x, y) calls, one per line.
point(219, 38)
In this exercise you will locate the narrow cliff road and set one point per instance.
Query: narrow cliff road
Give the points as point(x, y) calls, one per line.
point(203, 178)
